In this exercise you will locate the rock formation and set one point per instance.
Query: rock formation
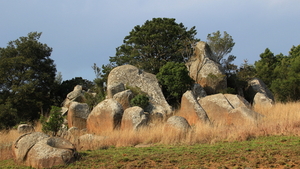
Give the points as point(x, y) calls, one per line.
point(134, 118)
point(205, 70)
point(124, 98)
point(262, 99)
point(77, 115)
point(255, 86)
point(179, 123)
point(76, 95)
point(105, 117)
point(38, 150)
point(191, 110)
point(128, 75)
point(228, 109)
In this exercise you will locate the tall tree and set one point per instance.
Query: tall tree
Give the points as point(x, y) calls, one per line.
point(220, 45)
point(287, 76)
point(155, 43)
point(266, 65)
point(27, 75)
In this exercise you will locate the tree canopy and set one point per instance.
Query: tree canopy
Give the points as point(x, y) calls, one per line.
point(155, 43)
point(175, 81)
point(220, 46)
point(27, 74)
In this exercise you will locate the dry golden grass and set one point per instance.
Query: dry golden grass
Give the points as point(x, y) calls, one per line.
point(281, 119)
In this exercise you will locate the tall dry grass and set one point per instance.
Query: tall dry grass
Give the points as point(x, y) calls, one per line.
point(7, 137)
point(281, 119)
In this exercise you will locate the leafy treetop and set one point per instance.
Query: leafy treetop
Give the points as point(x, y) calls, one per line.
point(155, 43)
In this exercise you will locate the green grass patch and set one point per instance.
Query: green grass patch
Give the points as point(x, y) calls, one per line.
point(262, 152)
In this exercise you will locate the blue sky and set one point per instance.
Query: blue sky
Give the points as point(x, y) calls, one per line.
point(84, 32)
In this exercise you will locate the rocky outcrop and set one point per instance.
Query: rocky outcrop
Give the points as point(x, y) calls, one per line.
point(76, 95)
point(24, 143)
point(38, 150)
point(114, 87)
point(124, 98)
point(205, 70)
point(77, 115)
point(191, 109)
point(50, 152)
point(217, 102)
point(237, 101)
point(105, 117)
point(228, 109)
point(178, 123)
point(256, 85)
point(131, 76)
point(263, 100)
point(134, 118)
point(25, 128)
point(244, 113)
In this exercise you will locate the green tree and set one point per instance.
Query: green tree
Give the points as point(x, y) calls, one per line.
point(27, 76)
point(54, 123)
point(155, 43)
point(175, 81)
point(287, 76)
point(266, 65)
point(221, 45)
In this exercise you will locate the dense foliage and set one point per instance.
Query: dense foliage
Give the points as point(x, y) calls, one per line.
point(27, 76)
point(53, 124)
point(141, 100)
point(222, 46)
point(175, 81)
point(281, 73)
point(155, 43)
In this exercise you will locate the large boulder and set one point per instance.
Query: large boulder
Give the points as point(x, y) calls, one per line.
point(50, 152)
point(38, 150)
point(134, 118)
point(24, 143)
point(263, 100)
point(228, 109)
point(178, 123)
point(191, 110)
point(237, 100)
point(77, 115)
point(124, 98)
point(105, 117)
point(216, 102)
point(256, 85)
point(205, 70)
point(242, 115)
point(146, 82)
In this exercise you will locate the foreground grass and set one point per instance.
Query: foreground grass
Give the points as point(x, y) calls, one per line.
point(261, 152)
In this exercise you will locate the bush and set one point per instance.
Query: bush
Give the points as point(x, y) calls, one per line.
point(175, 80)
point(54, 122)
point(140, 100)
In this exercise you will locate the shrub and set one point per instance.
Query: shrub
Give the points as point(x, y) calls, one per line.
point(54, 122)
point(175, 80)
point(140, 100)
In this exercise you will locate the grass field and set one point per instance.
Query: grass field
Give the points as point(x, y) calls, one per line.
point(272, 142)
point(261, 152)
